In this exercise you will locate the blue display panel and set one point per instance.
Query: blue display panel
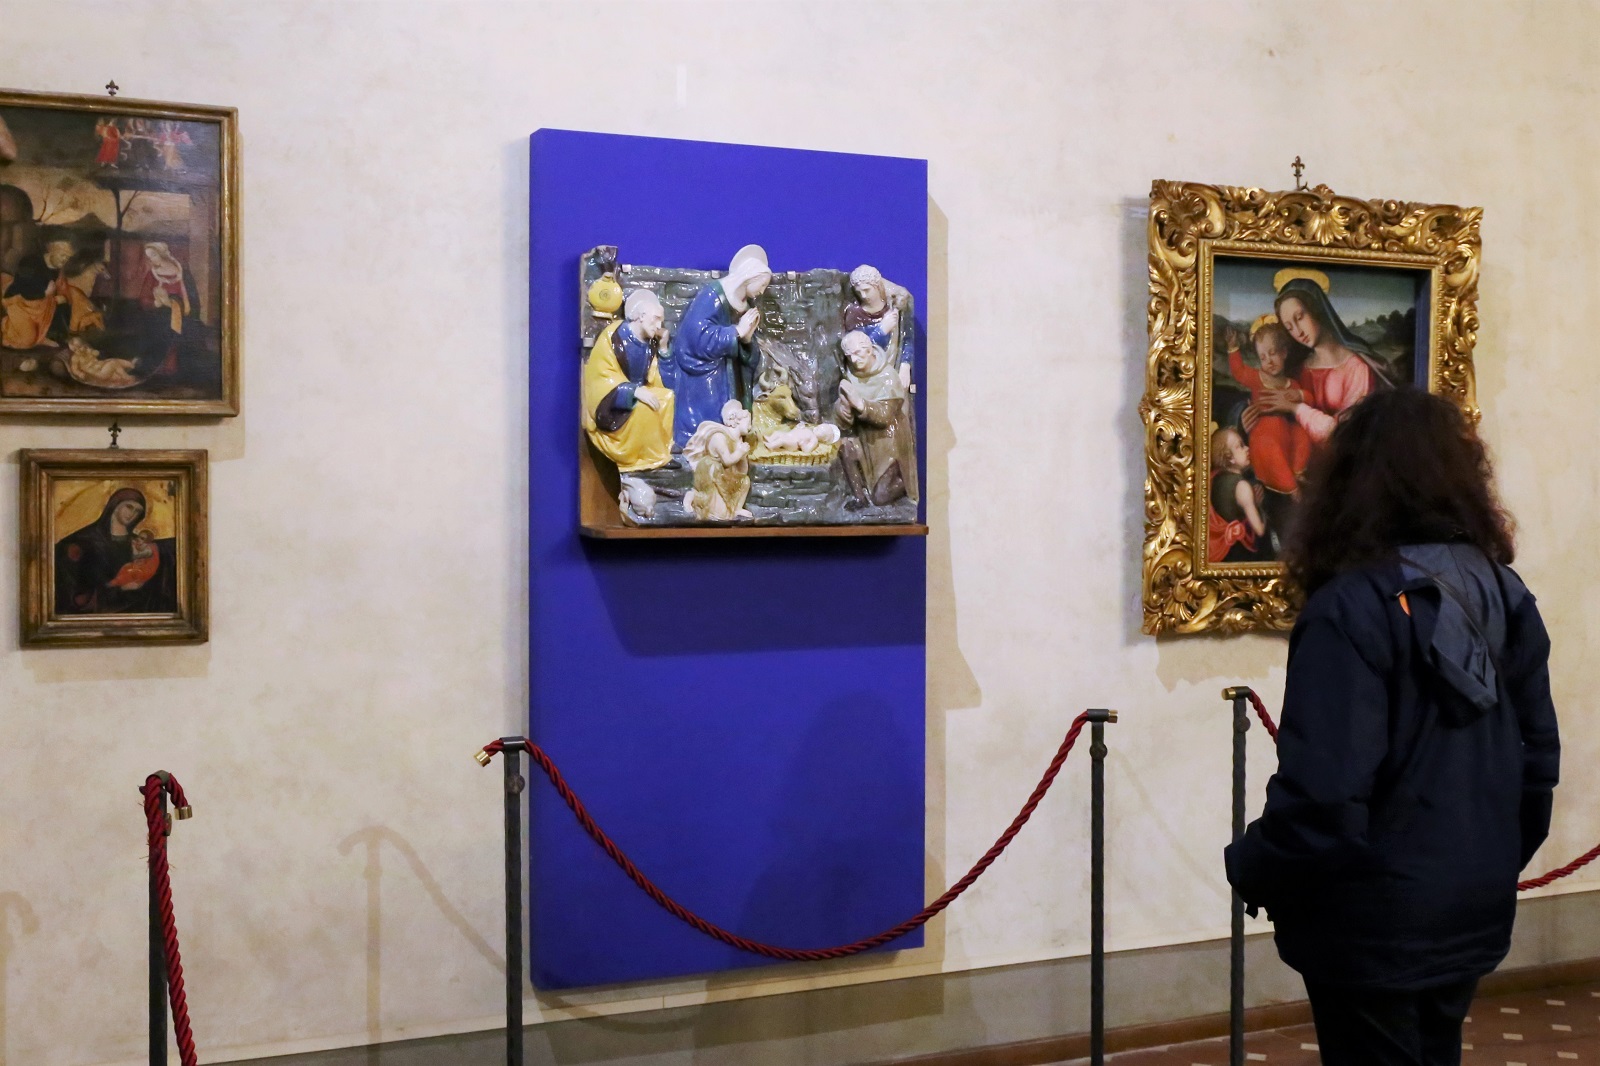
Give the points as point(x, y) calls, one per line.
point(745, 717)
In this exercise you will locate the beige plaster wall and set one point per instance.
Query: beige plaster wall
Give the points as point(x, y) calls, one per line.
point(341, 880)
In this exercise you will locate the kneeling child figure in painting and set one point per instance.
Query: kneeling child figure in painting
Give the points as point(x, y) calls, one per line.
point(113, 567)
point(878, 454)
point(719, 455)
point(1280, 447)
point(1237, 529)
point(1418, 753)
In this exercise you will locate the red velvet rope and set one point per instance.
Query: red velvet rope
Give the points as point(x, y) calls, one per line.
point(1538, 882)
point(679, 911)
point(159, 827)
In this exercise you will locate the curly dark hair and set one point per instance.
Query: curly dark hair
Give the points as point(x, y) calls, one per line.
point(1402, 467)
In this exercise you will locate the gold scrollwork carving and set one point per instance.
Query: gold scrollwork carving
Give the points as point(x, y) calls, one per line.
point(1190, 223)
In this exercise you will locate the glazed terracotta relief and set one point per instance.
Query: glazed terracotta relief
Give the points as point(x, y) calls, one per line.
point(746, 399)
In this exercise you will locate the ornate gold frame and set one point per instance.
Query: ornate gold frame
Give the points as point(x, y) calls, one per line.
point(1189, 224)
point(226, 119)
point(41, 626)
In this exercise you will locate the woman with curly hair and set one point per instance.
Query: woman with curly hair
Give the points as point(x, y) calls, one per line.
point(1418, 753)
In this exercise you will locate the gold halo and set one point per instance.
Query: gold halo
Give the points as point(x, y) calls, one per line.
point(1288, 274)
point(1264, 320)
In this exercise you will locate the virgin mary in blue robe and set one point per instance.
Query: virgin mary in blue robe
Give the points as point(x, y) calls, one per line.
point(702, 364)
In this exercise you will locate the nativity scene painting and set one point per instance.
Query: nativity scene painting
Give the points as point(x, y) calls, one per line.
point(746, 399)
point(1294, 346)
point(117, 257)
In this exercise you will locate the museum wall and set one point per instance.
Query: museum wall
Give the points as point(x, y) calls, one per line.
point(341, 880)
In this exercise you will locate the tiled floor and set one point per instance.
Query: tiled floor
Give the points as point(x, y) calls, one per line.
point(1548, 1028)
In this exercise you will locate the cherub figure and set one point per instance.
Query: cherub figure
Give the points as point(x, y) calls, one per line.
point(720, 457)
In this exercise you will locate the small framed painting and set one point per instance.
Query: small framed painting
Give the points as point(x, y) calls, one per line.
point(113, 547)
point(1271, 314)
point(119, 265)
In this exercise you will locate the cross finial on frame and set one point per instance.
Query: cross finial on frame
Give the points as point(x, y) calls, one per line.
point(112, 87)
point(115, 431)
point(1299, 169)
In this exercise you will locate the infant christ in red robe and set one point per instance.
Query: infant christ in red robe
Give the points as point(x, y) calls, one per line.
point(1280, 447)
point(146, 560)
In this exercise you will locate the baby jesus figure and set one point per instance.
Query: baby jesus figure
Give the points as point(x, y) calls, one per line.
point(146, 561)
point(1280, 447)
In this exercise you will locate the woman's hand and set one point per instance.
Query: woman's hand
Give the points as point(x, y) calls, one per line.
point(646, 395)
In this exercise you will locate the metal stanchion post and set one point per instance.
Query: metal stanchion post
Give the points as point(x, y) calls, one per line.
point(1241, 726)
point(511, 754)
point(1097, 884)
point(158, 963)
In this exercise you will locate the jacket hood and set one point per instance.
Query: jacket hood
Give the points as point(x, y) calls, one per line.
point(1458, 601)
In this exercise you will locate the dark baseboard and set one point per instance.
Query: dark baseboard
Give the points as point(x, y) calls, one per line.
point(1210, 1026)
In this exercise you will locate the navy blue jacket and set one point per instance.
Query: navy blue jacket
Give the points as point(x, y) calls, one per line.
point(1417, 759)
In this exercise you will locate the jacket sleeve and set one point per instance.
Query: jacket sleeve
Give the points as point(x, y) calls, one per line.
point(1528, 688)
point(1333, 736)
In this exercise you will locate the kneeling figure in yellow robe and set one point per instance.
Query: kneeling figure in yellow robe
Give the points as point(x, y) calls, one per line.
point(627, 411)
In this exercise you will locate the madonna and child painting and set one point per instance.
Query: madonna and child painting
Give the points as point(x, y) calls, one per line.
point(114, 547)
point(746, 399)
point(116, 257)
point(1294, 346)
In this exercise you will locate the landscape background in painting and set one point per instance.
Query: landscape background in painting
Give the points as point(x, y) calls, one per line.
point(127, 323)
point(1387, 307)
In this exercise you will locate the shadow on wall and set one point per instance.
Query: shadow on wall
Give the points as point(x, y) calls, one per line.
point(10, 904)
point(81, 665)
point(514, 632)
point(372, 840)
point(952, 686)
point(1133, 241)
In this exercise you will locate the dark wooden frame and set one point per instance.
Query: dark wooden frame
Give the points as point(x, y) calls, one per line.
point(41, 627)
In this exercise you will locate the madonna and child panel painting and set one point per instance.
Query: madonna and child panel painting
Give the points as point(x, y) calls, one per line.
point(117, 257)
point(746, 401)
point(114, 547)
point(1293, 346)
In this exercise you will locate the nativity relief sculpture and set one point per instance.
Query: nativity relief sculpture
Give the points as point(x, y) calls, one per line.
point(746, 399)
